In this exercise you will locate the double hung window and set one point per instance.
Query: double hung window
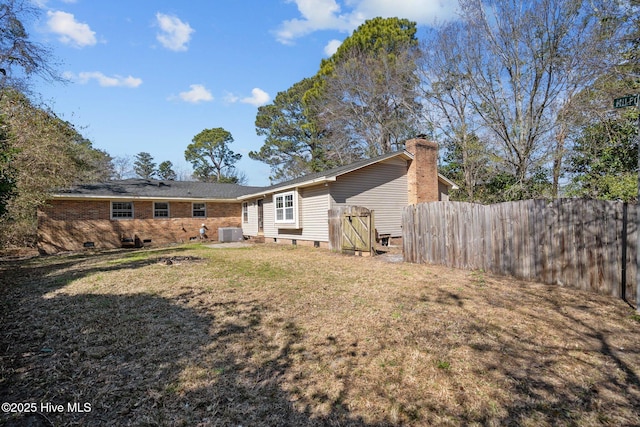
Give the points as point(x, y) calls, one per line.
point(161, 210)
point(245, 212)
point(199, 210)
point(285, 208)
point(121, 210)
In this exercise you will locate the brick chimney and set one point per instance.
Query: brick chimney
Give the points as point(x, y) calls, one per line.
point(422, 176)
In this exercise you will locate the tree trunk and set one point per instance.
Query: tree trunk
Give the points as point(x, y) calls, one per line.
point(557, 161)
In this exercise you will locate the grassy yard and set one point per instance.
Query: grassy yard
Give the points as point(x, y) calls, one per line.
point(284, 336)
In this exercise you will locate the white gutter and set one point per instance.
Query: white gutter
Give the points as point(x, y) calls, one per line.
point(141, 198)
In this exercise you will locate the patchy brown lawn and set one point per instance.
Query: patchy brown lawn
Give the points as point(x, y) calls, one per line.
point(277, 335)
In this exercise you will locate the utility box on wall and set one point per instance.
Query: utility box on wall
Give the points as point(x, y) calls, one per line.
point(230, 234)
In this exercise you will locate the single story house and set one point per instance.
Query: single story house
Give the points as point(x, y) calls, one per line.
point(297, 210)
point(137, 212)
point(140, 211)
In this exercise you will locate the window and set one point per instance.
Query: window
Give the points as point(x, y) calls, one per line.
point(121, 209)
point(161, 210)
point(245, 212)
point(285, 206)
point(199, 210)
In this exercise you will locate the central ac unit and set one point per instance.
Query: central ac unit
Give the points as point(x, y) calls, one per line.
point(230, 234)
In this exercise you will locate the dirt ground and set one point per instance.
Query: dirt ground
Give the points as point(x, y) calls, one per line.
point(275, 335)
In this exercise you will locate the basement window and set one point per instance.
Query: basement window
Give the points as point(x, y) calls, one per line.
point(121, 210)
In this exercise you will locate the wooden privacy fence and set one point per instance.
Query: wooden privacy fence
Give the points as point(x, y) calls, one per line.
point(586, 244)
point(352, 230)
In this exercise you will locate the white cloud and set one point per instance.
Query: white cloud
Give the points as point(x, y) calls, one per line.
point(103, 80)
point(198, 93)
point(319, 15)
point(332, 47)
point(43, 3)
point(230, 98)
point(175, 34)
point(258, 97)
point(316, 15)
point(70, 31)
point(424, 12)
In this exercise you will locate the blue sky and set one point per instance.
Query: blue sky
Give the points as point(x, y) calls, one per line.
point(150, 75)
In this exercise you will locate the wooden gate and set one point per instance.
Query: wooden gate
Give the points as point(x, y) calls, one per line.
point(352, 230)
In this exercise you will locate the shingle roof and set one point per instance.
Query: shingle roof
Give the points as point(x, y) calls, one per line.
point(150, 188)
point(159, 189)
point(330, 173)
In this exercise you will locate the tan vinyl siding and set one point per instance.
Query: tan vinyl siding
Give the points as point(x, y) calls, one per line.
point(381, 187)
point(443, 192)
point(314, 213)
point(269, 217)
point(313, 204)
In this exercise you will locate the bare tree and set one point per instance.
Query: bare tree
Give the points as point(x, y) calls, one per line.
point(521, 66)
point(20, 58)
point(184, 172)
point(122, 167)
point(447, 93)
point(369, 105)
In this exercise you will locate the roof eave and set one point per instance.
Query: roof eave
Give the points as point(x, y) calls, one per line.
point(141, 198)
point(452, 185)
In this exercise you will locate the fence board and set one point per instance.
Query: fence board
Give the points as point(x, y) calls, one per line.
point(632, 241)
point(586, 244)
point(609, 246)
point(578, 242)
point(617, 254)
point(537, 236)
point(335, 229)
point(545, 244)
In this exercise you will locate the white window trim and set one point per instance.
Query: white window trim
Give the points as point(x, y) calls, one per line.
point(168, 211)
point(245, 212)
point(121, 218)
point(289, 223)
point(205, 209)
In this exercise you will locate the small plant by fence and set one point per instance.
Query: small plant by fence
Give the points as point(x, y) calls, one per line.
point(586, 244)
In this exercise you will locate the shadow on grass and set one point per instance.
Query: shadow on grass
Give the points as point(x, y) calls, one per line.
point(46, 273)
point(578, 377)
point(144, 360)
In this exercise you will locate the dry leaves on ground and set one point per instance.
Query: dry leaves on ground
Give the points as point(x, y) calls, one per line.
point(277, 335)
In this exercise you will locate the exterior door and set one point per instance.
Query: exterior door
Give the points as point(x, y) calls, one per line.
point(260, 217)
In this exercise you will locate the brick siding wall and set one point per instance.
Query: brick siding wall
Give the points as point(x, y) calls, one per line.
point(66, 225)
